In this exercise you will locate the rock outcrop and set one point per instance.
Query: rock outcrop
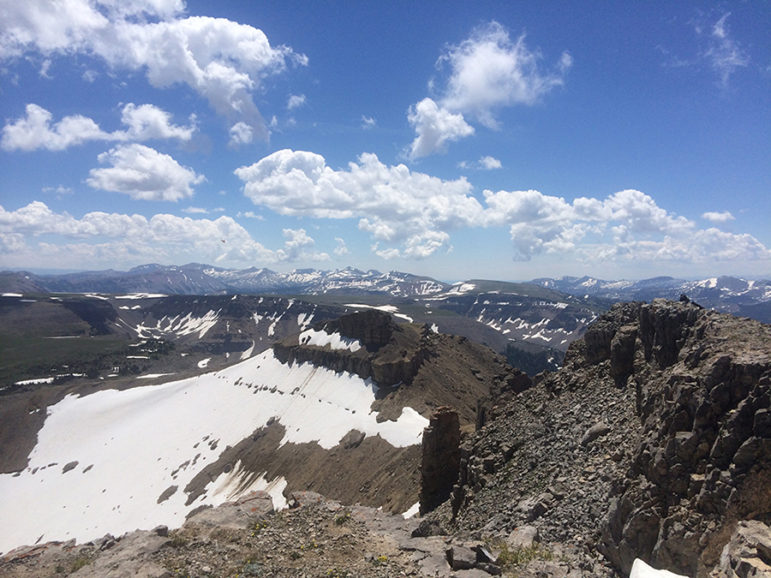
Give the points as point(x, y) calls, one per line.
point(440, 458)
point(390, 354)
point(653, 441)
point(703, 387)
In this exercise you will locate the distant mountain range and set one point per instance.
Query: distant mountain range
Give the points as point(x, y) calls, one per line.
point(742, 297)
point(532, 323)
point(726, 293)
point(197, 279)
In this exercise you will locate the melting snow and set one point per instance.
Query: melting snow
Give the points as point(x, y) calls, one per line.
point(133, 445)
point(412, 511)
point(181, 326)
point(35, 381)
point(641, 570)
point(386, 308)
point(12, 295)
point(462, 288)
point(204, 363)
point(248, 352)
point(304, 319)
point(334, 340)
point(140, 296)
point(392, 309)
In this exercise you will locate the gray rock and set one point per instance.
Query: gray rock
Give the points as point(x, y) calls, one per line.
point(461, 558)
point(522, 537)
point(597, 430)
point(748, 553)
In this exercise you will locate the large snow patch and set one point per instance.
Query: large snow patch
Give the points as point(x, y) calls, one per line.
point(109, 462)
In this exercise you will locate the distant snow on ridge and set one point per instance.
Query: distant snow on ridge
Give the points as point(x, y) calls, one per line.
point(335, 341)
point(185, 325)
point(115, 461)
point(392, 309)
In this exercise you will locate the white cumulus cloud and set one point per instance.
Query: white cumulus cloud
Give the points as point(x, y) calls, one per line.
point(299, 245)
point(147, 122)
point(490, 163)
point(718, 217)
point(489, 71)
point(143, 173)
point(36, 130)
point(341, 249)
point(241, 133)
point(485, 72)
point(392, 203)
point(223, 61)
point(411, 214)
point(35, 233)
point(434, 128)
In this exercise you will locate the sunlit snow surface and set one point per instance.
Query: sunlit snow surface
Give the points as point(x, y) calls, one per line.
point(392, 309)
point(132, 445)
point(321, 338)
point(180, 326)
point(641, 570)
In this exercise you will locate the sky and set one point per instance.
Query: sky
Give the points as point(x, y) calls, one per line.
point(457, 140)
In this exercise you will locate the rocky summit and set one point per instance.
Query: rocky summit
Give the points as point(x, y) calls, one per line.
point(651, 446)
point(652, 442)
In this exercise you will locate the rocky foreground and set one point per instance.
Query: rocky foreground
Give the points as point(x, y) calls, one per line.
point(652, 442)
point(314, 537)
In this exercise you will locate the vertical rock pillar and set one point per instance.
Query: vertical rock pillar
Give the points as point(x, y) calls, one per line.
point(441, 458)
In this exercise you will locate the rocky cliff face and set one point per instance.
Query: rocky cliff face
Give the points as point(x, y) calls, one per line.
point(440, 458)
point(702, 385)
point(391, 354)
point(653, 441)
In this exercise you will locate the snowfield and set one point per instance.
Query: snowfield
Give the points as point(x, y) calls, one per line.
point(115, 461)
point(333, 340)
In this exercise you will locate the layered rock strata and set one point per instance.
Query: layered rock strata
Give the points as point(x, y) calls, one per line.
point(653, 441)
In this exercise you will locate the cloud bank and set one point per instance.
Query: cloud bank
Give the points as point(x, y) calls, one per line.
point(412, 214)
point(105, 238)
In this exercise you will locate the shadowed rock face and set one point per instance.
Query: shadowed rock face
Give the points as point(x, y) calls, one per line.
point(441, 458)
point(391, 354)
point(703, 387)
point(653, 441)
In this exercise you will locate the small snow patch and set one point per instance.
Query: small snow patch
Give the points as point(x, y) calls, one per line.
point(413, 510)
point(37, 381)
point(641, 570)
point(333, 340)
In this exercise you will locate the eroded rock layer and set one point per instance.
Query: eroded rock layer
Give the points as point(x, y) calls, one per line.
point(653, 441)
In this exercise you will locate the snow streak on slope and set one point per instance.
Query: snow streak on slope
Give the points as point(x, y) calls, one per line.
point(115, 461)
point(392, 309)
point(180, 325)
point(321, 338)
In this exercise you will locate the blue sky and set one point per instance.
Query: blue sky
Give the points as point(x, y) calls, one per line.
point(452, 139)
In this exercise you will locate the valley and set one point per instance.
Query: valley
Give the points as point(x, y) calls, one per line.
point(123, 414)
